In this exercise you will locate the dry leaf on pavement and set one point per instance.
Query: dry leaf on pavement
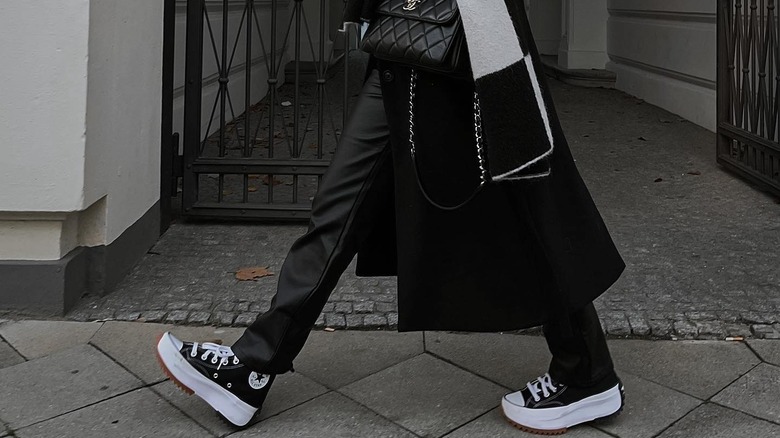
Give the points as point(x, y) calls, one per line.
point(249, 274)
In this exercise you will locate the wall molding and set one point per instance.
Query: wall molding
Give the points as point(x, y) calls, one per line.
point(697, 104)
point(673, 16)
point(693, 80)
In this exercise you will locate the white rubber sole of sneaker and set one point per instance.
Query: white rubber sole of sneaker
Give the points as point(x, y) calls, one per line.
point(553, 421)
point(191, 381)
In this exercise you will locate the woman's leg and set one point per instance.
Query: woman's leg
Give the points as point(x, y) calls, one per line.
point(580, 353)
point(235, 381)
point(581, 385)
point(350, 193)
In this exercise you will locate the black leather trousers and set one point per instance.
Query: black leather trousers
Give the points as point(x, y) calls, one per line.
point(347, 202)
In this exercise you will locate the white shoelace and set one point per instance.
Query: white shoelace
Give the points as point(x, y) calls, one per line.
point(219, 353)
point(543, 384)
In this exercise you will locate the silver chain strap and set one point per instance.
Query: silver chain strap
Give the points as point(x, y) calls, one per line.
point(483, 171)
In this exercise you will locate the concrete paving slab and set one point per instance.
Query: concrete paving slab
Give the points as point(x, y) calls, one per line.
point(755, 393)
point(8, 356)
point(330, 415)
point(338, 358)
point(59, 383)
point(139, 413)
point(519, 359)
point(132, 344)
point(712, 421)
point(698, 368)
point(494, 425)
point(35, 339)
point(289, 390)
point(426, 395)
point(650, 408)
point(768, 350)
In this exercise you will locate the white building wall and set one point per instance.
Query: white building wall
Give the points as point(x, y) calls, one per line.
point(665, 52)
point(545, 19)
point(584, 35)
point(79, 122)
point(123, 110)
point(44, 45)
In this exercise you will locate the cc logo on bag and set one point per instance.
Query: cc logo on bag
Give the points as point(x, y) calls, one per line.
point(411, 5)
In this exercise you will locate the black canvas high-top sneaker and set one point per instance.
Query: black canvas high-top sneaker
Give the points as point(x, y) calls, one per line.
point(215, 374)
point(550, 408)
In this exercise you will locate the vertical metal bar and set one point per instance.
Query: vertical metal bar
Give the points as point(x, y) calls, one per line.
point(739, 38)
point(272, 81)
point(763, 53)
point(193, 82)
point(223, 84)
point(347, 48)
point(248, 140)
point(297, 90)
point(722, 69)
point(753, 63)
point(776, 72)
point(223, 78)
point(321, 84)
point(772, 71)
point(167, 152)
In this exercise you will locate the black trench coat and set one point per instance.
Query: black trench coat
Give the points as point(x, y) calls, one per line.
point(518, 254)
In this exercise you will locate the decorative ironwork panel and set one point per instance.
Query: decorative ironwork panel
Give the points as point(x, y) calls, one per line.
point(266, 96)
point(749, 89)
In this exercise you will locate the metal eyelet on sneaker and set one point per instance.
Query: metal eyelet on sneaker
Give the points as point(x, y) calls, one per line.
point(229, 385)
point(216, 375)
point(214, 360)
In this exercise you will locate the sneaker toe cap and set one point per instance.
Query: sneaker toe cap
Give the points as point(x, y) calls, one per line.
point(515, 398)
point(173, 340)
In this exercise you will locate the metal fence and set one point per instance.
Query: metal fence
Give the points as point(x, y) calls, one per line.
point(265, 99)
point(749, 90)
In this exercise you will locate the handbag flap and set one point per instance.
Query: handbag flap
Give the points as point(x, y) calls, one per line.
point(431, 11)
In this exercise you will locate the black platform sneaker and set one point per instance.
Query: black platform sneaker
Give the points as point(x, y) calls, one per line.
point(215, 374)
point(550, 408)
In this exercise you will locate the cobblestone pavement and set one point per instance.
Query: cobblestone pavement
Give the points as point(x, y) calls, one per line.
point(701, 245)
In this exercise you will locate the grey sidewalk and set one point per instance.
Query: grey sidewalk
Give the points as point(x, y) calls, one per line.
point(701, 245)
point(70, 379)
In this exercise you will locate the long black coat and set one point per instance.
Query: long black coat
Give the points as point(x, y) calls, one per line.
point(520, 253)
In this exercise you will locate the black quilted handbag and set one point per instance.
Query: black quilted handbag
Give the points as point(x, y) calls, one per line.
point(426, 34)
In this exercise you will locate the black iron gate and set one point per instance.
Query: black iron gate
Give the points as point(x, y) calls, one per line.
point(749, 90)
point(265, 98)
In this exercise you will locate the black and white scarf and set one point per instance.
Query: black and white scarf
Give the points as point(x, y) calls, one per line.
point(515, 116)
